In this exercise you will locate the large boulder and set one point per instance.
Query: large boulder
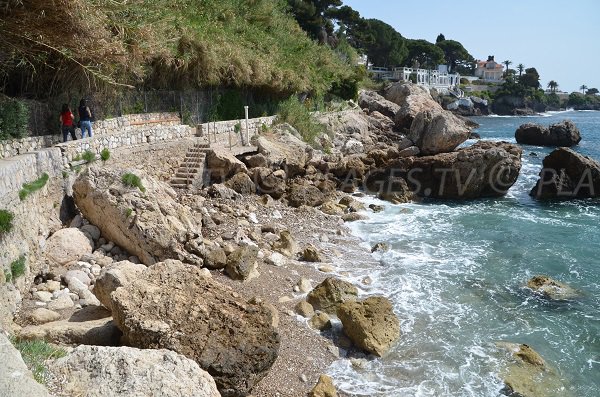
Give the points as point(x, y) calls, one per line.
point(437, 131)
point(222, 165)
point(377, 103)
point(285, 149)
point(412, 99)
point(242, 263)
point(568, 175)
point(525, 373)
point(486, 169)
point(304, 194)
point(268, 182)
point(15, 378)
point(95, 371)
point(173, 306)
point(114, 276)
point(346, 123)
point(564, 133)
point(67, 245)
point(371, 324)
point(332, 292)
point(149, 224)
point(242, 184)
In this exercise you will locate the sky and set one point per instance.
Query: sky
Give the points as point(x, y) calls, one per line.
point(561, 39)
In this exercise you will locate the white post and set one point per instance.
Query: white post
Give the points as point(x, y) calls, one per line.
point(247, 129)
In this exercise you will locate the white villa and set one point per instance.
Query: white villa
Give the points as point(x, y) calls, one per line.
point(490, 70)
point(439, 79)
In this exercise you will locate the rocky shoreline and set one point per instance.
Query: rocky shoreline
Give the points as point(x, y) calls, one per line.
point(244, 278)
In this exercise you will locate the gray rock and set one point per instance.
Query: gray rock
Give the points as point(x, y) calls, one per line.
point(15, 378)
point(92, 231)
point(78, 274)
point(95, 371)
point(61, 303)
point(42, 296)
point(83, 292)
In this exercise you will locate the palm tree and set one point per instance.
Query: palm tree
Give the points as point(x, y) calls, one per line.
point(553, 85)
point(520, 68)
point(507, 63)
point(583, 88)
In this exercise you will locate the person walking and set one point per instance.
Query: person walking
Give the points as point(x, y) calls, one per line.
point(85, 119)
point(66, 123)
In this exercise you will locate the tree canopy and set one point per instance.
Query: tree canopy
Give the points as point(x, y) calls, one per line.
point(531, 78)
point(426, 54)
point(457, 57)
point(312, 16)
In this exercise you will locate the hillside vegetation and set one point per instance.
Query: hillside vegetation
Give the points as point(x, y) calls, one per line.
point(48, 47)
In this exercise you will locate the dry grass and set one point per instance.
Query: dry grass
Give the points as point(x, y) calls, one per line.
point(160, 44)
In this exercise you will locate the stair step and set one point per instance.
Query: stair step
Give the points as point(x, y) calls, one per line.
point(179, 186)
point(178, 180)
point(186, 175)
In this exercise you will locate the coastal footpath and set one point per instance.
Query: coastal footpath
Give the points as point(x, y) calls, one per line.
point(235, 280)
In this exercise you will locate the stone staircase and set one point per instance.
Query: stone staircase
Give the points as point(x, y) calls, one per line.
point(191, 169)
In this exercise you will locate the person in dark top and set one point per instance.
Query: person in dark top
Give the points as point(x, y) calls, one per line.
point(66, 122)
point(85, 119)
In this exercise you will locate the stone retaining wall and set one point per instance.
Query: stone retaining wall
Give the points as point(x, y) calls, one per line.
point(127, 123)
point(127, 138)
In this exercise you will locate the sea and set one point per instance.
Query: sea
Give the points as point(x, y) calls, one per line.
point(456, 273)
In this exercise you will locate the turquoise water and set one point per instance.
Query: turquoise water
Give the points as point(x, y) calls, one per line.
point(456, 273)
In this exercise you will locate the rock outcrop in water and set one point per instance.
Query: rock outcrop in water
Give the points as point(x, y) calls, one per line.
point(564, 133)
point(371, 324)
point(526, 373)
point(568, 175)
point(552, 289)
point(486, 169)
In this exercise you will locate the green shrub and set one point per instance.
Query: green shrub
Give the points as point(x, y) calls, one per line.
point(128, 212)
point(8, 276)
point(14, 119)
point(89, 156)
point(133, 180)
point(6, 218)
point(105, 154)
point(36, 353)
point(34, 186)
point(17, 267)
point(293, 112)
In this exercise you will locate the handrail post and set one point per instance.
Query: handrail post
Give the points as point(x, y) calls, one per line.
point(247, 129)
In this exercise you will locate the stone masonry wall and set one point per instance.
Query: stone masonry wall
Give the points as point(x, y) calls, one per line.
point(129, 122)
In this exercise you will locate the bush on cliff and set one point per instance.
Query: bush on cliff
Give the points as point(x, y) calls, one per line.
point(132, 180)
point(6, 218)
point(34, 186)
point(296, 114)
